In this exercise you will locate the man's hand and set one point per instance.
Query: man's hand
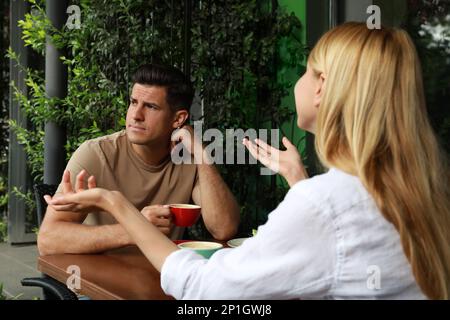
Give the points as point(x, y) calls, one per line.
point(160, 216)
point(186, 136)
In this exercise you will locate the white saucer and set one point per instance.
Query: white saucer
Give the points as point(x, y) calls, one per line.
point(233, 243)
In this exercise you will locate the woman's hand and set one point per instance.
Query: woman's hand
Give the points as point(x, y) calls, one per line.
point(287, 163)
point(83, 201)
point(78, 200)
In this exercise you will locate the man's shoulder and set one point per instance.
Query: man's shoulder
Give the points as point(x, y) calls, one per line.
point(113, 138)
point(99, 148)
point(107, 143)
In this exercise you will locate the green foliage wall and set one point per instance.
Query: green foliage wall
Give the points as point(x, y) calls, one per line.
point(428, 22)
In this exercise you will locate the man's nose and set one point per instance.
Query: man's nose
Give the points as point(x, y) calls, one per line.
point(138, 113)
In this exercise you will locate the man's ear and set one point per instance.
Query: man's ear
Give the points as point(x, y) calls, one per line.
point(180, 118)
point(320, 87)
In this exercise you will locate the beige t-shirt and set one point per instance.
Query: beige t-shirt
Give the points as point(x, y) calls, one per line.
point(116, 166)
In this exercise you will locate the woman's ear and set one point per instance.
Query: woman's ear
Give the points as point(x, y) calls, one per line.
point(180, 118)
point(320, 87)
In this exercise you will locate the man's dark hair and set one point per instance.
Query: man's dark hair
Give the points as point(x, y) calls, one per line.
point(179, 89)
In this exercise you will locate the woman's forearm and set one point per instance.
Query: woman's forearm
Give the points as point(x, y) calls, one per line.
point(153, 244)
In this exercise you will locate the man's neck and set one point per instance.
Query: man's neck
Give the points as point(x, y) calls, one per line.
point(152, 155)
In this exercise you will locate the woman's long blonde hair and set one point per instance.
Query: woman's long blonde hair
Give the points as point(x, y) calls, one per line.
point(372, 122)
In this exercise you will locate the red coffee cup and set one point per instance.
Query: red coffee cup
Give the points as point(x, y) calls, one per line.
point(185, 215)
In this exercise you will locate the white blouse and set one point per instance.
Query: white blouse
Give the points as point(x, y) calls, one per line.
point(326, 240)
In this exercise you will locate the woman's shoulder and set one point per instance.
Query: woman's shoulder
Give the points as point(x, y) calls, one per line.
point(335, 189)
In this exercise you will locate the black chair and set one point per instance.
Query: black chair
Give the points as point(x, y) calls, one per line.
point(52, 289)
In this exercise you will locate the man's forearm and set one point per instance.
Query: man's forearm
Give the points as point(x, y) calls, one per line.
point(220, 210)
point(69, 237)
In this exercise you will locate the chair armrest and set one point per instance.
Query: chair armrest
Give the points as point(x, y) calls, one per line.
point(53, 290)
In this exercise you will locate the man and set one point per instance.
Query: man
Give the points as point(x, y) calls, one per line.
point(137, 162)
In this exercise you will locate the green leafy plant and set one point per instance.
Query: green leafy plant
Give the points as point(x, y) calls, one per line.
point(428, 22)
point(241, 55)
point(3, 296)
point(30, 205)
point(3, 229)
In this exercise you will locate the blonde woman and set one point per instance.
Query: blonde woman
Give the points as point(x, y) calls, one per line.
point(376, 225)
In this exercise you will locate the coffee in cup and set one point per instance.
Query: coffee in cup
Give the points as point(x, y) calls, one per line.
point(204, 248)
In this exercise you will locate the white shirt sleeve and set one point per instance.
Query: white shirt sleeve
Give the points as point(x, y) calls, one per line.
point(292, 256)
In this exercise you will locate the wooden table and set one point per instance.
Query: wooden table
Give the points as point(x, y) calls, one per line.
point(118, 274)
